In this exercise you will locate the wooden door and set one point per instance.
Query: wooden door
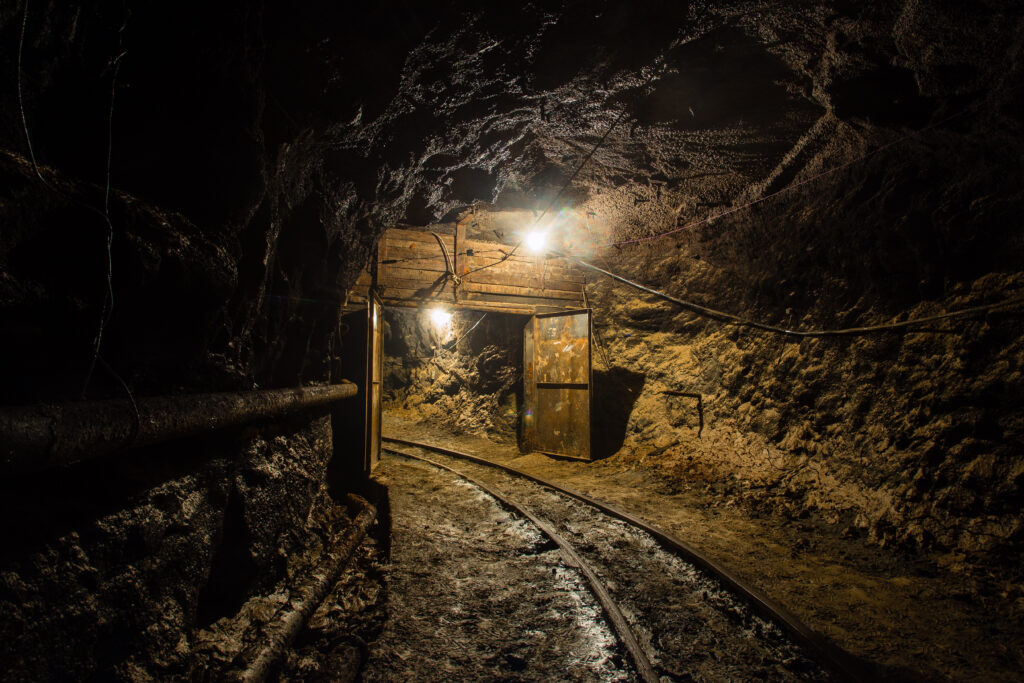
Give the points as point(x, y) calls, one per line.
point(374, 372)
point(557, 383)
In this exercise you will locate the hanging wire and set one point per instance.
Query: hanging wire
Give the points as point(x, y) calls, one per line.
point(108, 302)
point(655, 72)
point(21, 100)
point(590, 154)
point(107, 309)
point(466, 333)
point(733, 319)
point(561, 190)
point(449, 262)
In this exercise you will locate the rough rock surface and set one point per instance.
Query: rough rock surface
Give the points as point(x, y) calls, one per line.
point(254, 151)
point(909, 112)
point(466, 377)
point(112, 573)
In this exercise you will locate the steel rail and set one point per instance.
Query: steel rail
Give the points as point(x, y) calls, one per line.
point(825, 652)
point(611, 609)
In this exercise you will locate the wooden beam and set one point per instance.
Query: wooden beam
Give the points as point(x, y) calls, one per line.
point(428, 256)
point(523, 298)
point(483, 306)
point(398, 235)
point(416, 279)
point(410, 269)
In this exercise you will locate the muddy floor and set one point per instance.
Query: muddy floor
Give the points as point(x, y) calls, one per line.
point(475, 593)
point(686, 624)
point(901, 612)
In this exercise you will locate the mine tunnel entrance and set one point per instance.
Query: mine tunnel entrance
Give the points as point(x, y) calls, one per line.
point(527, 375)
point(514, 377)
point(523, 379)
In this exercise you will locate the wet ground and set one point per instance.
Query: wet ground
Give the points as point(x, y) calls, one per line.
point(475, 593)
point(686, 624)
point(902, 613)
point(465, 589)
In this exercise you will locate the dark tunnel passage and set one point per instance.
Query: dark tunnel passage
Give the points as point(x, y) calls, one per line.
point(566, 340)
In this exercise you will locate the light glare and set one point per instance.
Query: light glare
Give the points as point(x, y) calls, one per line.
point(441, 318)
point(536, 240)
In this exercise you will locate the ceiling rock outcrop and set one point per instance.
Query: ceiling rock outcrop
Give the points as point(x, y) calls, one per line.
point(291, 136)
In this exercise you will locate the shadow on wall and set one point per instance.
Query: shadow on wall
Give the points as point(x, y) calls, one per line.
point(615, 393)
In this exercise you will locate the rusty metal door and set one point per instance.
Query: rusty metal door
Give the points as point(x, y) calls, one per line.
point(374, 372)
point(557, 384)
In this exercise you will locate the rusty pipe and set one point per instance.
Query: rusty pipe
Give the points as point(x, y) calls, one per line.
point(36, 438)
point(257, 663)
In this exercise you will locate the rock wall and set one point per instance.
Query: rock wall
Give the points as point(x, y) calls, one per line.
point(254, 152)
point(911, 437)
point(115, 569)
point(170, 230)
point(467, 378)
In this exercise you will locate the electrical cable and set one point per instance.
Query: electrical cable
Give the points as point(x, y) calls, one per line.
point(108, 302)
point(562, 189)
point(466, 333)
point(21, 99)
point(747, 322)
point(505, 256)
point(448, 264)
point(587, 158)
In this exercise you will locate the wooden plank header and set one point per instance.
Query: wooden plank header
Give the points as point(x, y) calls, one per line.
point(413, 270)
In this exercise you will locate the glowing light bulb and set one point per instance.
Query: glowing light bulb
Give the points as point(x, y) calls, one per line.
point(441, 318)
point(536, 240)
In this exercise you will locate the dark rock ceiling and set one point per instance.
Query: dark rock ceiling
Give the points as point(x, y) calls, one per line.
point(428, 109)
point(287, 137)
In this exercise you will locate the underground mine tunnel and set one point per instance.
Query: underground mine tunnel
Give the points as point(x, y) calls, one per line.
point(308, 307)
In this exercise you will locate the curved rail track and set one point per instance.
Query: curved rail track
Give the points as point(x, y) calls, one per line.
point(634, 583)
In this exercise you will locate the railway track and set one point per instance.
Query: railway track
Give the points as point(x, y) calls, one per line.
point(679, 615)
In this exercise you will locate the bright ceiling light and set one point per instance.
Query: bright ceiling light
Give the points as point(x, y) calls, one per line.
point(536, 240)
point(441, 318)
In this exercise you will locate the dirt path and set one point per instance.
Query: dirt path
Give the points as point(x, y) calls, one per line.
point(908, 616)
point(475, 594)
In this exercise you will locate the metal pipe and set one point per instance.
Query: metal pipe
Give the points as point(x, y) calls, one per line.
point(40, 437)
point(256, 664)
